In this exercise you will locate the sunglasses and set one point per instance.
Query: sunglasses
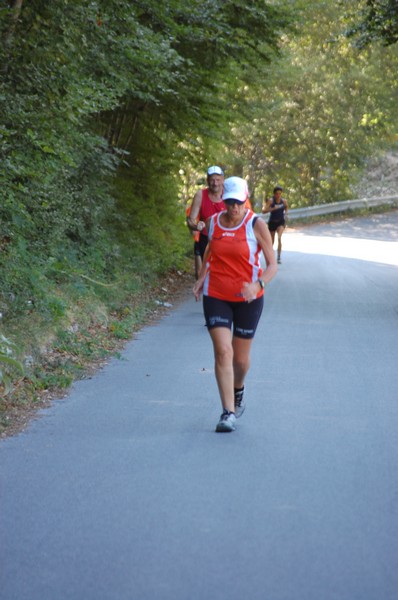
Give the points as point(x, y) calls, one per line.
point(232, 201)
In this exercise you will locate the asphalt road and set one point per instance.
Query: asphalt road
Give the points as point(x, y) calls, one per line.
point(123, 491)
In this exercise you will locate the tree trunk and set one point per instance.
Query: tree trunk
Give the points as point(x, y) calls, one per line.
point(15, 11)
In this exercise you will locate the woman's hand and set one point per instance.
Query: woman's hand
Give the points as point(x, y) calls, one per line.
point(250, 291)
point(197, 288)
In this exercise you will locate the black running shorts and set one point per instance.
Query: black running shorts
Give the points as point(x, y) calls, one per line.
point(203, 241)
point(273, 225)
point(243, 316)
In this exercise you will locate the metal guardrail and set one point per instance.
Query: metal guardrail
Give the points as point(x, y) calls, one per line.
point(333, 207)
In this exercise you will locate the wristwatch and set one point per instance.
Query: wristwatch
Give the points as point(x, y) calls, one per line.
point(261, 282)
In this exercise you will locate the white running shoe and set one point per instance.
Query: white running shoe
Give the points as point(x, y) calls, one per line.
point(240, 403)
point(227, 422)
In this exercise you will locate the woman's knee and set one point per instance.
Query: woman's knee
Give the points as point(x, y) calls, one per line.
point(241, 363)
point(223, 352)
point(241, 349)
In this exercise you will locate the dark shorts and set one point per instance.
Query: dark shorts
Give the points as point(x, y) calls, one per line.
point(196, 249)
point(243, 316)
point(203, 241)
point(273, 225)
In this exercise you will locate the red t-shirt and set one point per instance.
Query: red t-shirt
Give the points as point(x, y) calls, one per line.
point(209, 208)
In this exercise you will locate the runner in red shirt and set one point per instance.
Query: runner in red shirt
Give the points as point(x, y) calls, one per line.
point(206, 202)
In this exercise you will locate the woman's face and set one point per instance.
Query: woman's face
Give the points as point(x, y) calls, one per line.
point(234, 208)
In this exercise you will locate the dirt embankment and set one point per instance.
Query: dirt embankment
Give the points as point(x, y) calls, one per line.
point(380, 177)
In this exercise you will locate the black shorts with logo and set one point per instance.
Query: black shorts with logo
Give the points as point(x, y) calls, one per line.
point(243, 316)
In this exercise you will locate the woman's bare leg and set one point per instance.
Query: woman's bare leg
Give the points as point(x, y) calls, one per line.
point(241, 360)
point(224, 370)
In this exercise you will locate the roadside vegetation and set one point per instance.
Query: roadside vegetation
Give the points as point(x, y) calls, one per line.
point(111, 112)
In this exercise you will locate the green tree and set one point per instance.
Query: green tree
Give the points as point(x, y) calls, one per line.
point(325, 108)
point(378, 22)
point(101, 102)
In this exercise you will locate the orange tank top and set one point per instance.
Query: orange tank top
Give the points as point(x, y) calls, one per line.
point(234, 259)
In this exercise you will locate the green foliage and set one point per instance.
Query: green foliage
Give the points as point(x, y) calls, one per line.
point(325, 109)
point(92, 85)
point(377, 22)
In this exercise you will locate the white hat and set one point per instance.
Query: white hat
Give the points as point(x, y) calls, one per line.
point(214, 171)
point(235, 188)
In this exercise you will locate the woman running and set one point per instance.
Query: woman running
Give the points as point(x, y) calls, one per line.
point(232, 283)
point(277, 207)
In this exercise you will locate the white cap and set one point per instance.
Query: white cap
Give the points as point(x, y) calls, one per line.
point(235, 188)
point(214, 171)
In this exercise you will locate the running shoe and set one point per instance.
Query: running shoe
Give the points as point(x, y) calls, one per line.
point(240, 403)
point(227, 422)
point(279, 260)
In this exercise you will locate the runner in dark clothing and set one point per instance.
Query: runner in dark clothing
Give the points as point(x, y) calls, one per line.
point(278, 208)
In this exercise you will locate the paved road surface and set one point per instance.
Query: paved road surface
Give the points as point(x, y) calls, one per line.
point(123, 491)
